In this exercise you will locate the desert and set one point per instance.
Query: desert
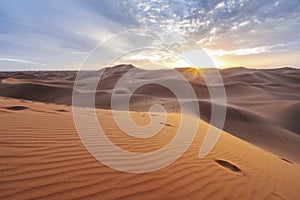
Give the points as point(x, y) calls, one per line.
point(256, 157)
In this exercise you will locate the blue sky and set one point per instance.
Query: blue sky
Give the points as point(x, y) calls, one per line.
point(55, 34)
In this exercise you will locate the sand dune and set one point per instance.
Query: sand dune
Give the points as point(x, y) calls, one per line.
point(262, 105)
point(42, 158)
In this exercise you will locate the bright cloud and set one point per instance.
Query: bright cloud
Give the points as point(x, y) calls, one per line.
point(61, 33)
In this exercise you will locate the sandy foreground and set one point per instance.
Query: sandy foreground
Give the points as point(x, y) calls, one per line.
point(42, 157)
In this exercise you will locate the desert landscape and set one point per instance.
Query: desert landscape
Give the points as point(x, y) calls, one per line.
point(256, 156)
point(150, 99)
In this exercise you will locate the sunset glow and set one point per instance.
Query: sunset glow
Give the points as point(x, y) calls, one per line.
point(255, 34)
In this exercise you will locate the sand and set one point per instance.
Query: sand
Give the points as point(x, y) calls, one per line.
point(262, 105)
point(42, 157)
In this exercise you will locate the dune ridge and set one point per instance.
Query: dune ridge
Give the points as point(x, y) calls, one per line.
point(262, 105)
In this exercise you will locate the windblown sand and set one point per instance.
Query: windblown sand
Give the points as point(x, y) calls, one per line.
point(42, 157)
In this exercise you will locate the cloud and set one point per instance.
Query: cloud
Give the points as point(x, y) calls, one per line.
point(63, 32)
point(239, 52)
point(229, 25)
point(52, 32)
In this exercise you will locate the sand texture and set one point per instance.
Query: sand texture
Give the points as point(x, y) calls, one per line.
point(42, 157)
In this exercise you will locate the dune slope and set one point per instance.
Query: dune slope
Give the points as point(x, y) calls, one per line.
point(42, 157)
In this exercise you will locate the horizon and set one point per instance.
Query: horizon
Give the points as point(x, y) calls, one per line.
point(135, 66)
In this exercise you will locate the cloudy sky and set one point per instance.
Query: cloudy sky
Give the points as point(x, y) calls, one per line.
point(55, 34)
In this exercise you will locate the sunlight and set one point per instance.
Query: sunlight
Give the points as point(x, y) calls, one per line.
point(180, 63)
point(195, 58)
point(198, 59)
point(219, 63)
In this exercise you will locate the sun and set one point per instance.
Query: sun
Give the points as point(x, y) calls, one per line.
point(179, 63)
point(201, 58)
point(196, 58)
point(218, 62)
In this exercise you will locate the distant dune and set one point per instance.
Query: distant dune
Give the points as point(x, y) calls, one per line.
point(263, 106)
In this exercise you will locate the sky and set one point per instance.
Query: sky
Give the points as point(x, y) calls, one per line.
point(59, 35)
